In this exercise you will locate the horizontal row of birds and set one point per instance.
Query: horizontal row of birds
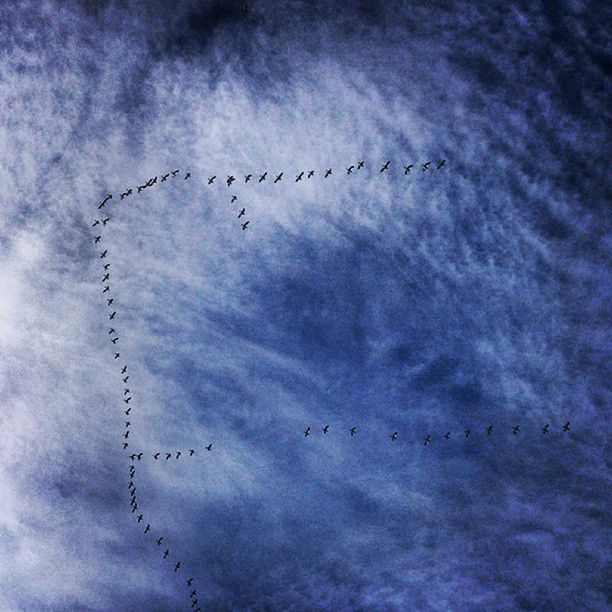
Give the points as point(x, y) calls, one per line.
point(126, 393)
point(168, 455)
point(516, 429)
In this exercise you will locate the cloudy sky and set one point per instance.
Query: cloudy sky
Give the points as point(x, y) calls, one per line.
point(440, 300)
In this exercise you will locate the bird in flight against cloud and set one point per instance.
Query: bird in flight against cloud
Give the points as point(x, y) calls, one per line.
point(360, 165)
point(425, 166)
point(353, 431)
point(545, 429)
point(234, 198)
point(310, 174)
point(242, 213)
point(244, 225)
point(394, 436)
point(209, 447)
point(327, 172)
point(440, 164)
point(408, 168)
point(427, 440)
point(489, 430)
point(230, 180)
point(566, 426)
point(211, 179)
point(263, 177)
point(299, 177)
point(247, 178)
point(307, 432)
point(349, 170)
point(385, 166)
point(278, 178)
point(325, 429)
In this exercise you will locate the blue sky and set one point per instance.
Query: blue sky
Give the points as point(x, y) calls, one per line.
point(456, 298)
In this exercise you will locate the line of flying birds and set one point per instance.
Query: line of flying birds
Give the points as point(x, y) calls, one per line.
point(127, 394)
point(428, 438)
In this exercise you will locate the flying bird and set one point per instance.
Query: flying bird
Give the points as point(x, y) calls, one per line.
point(106, 266)
point(117, 355)
point(109, 301)
point(178, 454)
point(566, 426)
point(106, 289)
point(447, 435)
point(211, 179)
point(159, 541)
point(242, 213)
point(147, 528)
point(385, 167)
point(187, 175)
point(427, 440)
point(125, 379)
point(425, 166)
point(127, 401)
point(515, 429)
point(394, 436)
point(328, 172)
point(234, 198)
point(307, 432)
point(360, 165)
point(545, 429)
point(408, 168)
point(126, 391)
point(105, 221)
point(140, 517)
point(96, 222)
point(111, 331)
point(114, 340)
point(104, 201)
point(244, 225)
point(97, 239)
point(112, 315)
point(127, 411)
point(124, 369)
point(177, 566)
point(299, 177)
point(209, 447)
point(174, 172)
point(230, 180)
point(165, 177)
point(489, 430)
point(168, 455)
point(349, 170)
point(325, 429)
point(103, 254)
point(191, 452)
point(166, 553)
point(247, 178)
point(310, 174)
point(353, 431)
point(106, 277)
point(440, 164)
point(263, 177)
point(156, 456)
point(189, 582)
point(278, 178)
point(467, 433)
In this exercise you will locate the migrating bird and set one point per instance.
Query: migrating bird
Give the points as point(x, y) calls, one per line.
point(263, 177)
point(165, 177)
point(192, 594)
point(126, 391)
point(139, 456)
point(106, 289)
point(425, 166)
point(112, 315)
point(234, 198)
point(189, 582)
point(447, 435)
point(566, 426)
point(151, 182)
point(328, 172)
point(427, 440)
point(515, 429)
point(467, 433)
point(128, 423)
point(178, 454)
point(125, 379)
point(408, 168)
point(110, 301)
point(191, 452)
point(242, 213)
point(360, 165)
point(105, 221)
point(325, 429)
point(147, 528)
point(440, 164)
point(127, 434)
point(124, 369)
point(385, 167)
point(244, 225)
point(353, 431)
point(174, 172)
point(489, 430)
point(134, 507)
point(349, 170)
point(127, 411)
point(105, 200)
point(168, 455)
point(307, 432)
point(278, 178)
point(103, 254)
point(125, 194)
point(166, 553)
point(247, 178)
point(140, 517)
point(394, 436)
point(127, 401)
point(125, 445)
point(211, 179)
point(159, 541)
point(117, 355)
point(106, 277)
point(230, 180)
point(114, 340)
point(97, 239)
point(310, 174)
point(156, 456)
point(96, 222)
point(141, 187)
point(177, 566)
point(187, 175)
point(299, 177)
point(106, 266)
point(545, 429)
point(209, 447)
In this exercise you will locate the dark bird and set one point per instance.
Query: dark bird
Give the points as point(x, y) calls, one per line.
point(247, 178)
point(211, 179)
point(244, 225)
point(440, 164)
point(178, 454)
point(192, 594)
point(105, 200)
point(165, 177)
point(394, 436)
point(278, 178)
point(152, 182)
point(109, 301)
point(147, 528)
point(97, 239)
point(106, 289)
point(126, 435)
point(177, 566)
point(140, 517)
point(187, 175)
point(139, 456)
point(230, 180)
point(191, 452)
point(385, 167)
point(168, 455)
point(106, 277)
point(545, 429)
point(112, 315)
point(106, 266)
point(209, 447)
point(96, 222)
point(325, 429)
point(360, 165)
point(127, 401)
point(134, 507)
point(349, 170)
point(126, 193)
point(117, 355)
point(166, 553)
point(128, 423)
point(194, 603)
point(234, 198)
point(566, 426)
point(299, 177)
point(307, 432)
point(131, 485)
point(126, 391)
point(427, 440)
point(141, 187)
point(174, 172)
point(353, 431)
point(425, 166)
point(263, 177)
point(447, 435)
point(114, 340)
point(189, 582)
point(310, 174)
point(242, 213)
point(103, 254)
point(125, 445)
point(408, 168)
point(515, 429)
point(125, 379)
point(105, 221)
point(489, 430)
point(127, 411)
point(328, 172)
point(467, 433)
point(124, 370)
point(156, 456)
point(159, 541)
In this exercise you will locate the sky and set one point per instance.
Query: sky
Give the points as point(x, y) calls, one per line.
point(438, 300)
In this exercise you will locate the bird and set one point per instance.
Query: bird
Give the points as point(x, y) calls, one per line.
point(545, 429)
point(234, 198)
point(489, 430)
point(111, 331)
point(97, 239)
point(127, 401)
point(394, 436)
point(192, 594)
point(447, 435)
point(140, 188)
point(166, 553)
point(325, 429)
point(360, 165)
point(440, 164)
point(310, 174)
point(124, 370)
point(244, 225)
point(147, 528)
point(112, 315)
point(125, 194)
point(247, 178)
point(189, 582)
point(103, 254)
point(425, 166)
point(110, 301)
point(106, 289)
point(427, 440)
point(96, 222)
point(178, 454)
point(114, 340)
point(353, 431)
point(566, 426)
point(241, 213)
point(191, 452)
point(467, 433)
point(307, 432)
point(263, 177)
point(125, 379)
point(105, 221)
point(139, 456)
point(299, 177)
point(104, 201)
point(168, 455)
point(159, 541)
point(126, 435)
point(278, 178)
point(349, 170)
point(127, 411)
point(117, 355)
point(209, 447)
point(328, 172)
point(211, 179)
point(156, 456)
point(106, 266)
point(165, 177)
point(125, 445)
point(385, 166)
point(140, 517)
point(230, 180)
point(128, 423)
point(177, 566)
point(174, 172)
point(187, 175)
point(126, 391)
point(408, 168)
point(106, 277)
point(134, 507)
point(515, 429)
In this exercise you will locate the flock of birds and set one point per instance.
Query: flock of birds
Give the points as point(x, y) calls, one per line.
point(428, 438)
